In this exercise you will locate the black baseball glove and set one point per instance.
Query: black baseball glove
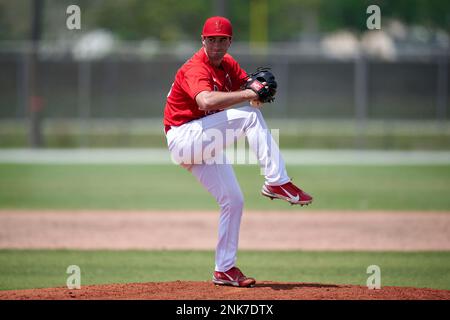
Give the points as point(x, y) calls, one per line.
point(266, 92)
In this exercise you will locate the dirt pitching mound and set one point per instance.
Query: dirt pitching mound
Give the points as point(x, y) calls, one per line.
point(194, 290)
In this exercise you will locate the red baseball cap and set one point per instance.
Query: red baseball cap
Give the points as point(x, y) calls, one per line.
point(217, 26)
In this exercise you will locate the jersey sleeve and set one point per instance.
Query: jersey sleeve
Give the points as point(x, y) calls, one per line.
point(196, 80)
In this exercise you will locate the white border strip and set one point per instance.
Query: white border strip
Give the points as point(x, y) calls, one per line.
point(161, 156)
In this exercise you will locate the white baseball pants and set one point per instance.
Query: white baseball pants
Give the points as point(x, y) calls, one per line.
point(198, 146)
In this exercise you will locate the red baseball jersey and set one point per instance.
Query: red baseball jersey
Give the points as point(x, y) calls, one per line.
point(195, 76)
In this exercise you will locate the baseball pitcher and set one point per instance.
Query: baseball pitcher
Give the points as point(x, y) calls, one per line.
point(198, 118)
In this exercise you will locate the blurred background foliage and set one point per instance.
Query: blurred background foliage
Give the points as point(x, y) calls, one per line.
point(103, 84)
point(173, 20)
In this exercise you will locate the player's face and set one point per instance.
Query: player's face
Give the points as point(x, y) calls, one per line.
point(216, 47)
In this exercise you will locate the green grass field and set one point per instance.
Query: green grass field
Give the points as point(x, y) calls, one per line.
point(124, 187)
point(127, 187)
point(296, 133)
point(20, 269)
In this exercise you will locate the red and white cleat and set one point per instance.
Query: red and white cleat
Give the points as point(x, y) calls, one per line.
point(233, 277)
point(288, 192)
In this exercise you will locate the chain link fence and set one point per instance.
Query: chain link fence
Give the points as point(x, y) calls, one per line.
point(129, 84)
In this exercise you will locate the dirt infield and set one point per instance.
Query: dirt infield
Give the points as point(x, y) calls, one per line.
point(190, 290)
point(198, 230)
point(288, 230)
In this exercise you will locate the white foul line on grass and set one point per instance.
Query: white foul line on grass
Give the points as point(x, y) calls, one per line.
point(161, 156)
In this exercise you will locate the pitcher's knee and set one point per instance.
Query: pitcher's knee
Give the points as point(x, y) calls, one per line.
point(250, 110)
point(234, 201)
point(238, 201)
point(253, 115)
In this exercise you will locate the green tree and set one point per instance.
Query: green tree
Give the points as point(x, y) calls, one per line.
point(168, 20)
point(174, 20)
